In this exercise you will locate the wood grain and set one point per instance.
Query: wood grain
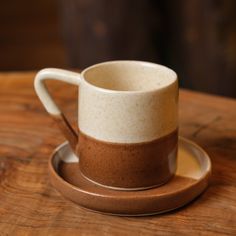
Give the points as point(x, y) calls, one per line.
point(30, 206)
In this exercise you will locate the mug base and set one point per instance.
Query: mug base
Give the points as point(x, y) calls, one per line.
point(128, 189)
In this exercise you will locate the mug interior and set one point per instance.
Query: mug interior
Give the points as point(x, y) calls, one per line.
point(129, 76)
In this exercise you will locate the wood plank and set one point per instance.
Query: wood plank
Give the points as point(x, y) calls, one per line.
point(30, 206)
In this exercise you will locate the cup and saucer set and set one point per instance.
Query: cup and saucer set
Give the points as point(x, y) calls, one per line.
point(126, 157)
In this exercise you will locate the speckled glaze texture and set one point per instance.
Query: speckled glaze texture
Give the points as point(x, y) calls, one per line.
point(134, 114)
point(140, 165)
point(128, 121)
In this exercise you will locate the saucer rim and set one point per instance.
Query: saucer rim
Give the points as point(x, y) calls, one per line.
point(206, 174)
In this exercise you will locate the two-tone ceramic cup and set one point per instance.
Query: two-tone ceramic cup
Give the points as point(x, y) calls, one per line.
point(127, 134)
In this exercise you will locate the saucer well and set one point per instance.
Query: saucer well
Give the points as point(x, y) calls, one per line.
point(191, 179)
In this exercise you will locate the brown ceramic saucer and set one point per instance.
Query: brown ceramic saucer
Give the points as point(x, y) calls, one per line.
point(192, 176)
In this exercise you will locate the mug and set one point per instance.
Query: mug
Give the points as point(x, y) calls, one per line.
point(127, 137)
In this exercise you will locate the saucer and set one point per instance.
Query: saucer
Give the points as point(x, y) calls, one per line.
point(191, 179)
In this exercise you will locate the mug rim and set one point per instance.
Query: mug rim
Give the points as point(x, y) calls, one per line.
point(143, 63)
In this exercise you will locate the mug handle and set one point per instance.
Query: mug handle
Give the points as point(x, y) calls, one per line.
point(50, 105)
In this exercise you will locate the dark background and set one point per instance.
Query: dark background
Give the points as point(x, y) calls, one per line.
point(196, 38)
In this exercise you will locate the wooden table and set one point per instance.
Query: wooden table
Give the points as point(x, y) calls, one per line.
point(30, 206)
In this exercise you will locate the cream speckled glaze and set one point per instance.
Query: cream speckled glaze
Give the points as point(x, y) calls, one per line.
point(128, 101)
point(120, 101)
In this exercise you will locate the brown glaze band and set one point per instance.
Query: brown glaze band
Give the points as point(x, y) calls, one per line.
point(139, 165)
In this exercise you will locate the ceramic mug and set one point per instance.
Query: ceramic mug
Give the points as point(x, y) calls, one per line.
point(127, 134)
